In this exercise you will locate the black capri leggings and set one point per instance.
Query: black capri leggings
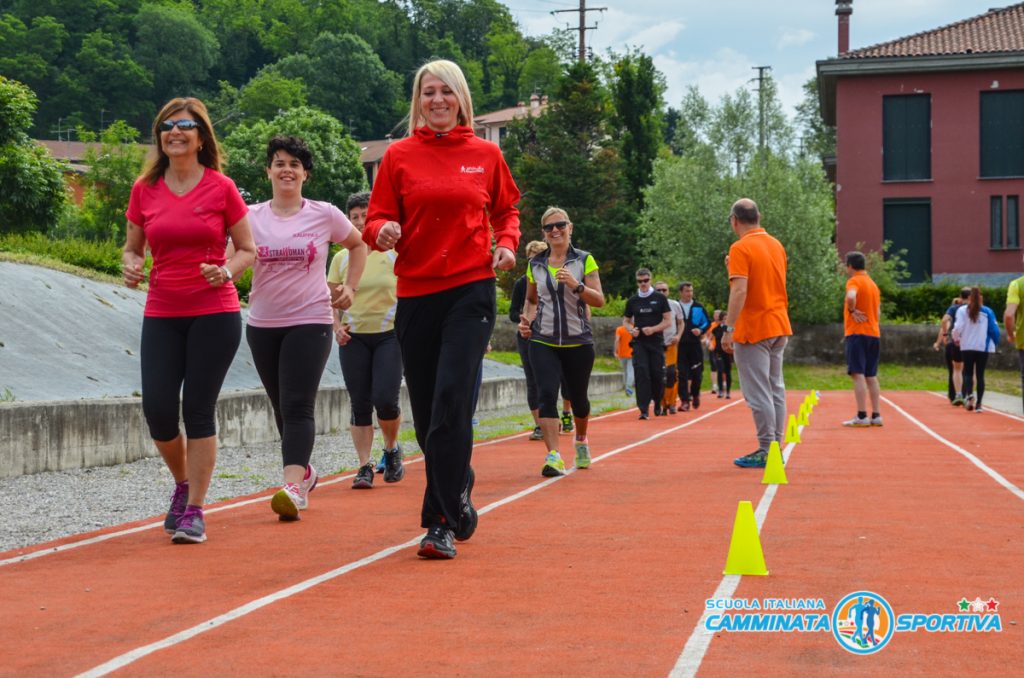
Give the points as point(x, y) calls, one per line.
point(724, 369)
point(184, 362)
point(290, 362)
point(974, 362)
point(553, 364)
point(372, 367)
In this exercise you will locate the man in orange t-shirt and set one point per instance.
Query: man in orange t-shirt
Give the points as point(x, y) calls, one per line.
point(624, 352)
point(861, 310)
point(757, 325)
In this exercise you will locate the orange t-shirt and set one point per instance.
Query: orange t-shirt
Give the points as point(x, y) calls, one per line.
point(761, 259)
point(868, 299)
point(622, 339)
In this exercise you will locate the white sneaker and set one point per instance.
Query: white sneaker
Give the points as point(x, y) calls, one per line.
point(858, 422)
point(876, 421)
point(285, 502)
point(307, 485)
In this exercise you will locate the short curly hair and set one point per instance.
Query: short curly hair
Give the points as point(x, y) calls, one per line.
point(293, 146)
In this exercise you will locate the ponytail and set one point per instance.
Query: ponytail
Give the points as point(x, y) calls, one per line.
point(974, 304)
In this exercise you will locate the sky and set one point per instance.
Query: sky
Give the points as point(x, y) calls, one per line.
point(715, 45)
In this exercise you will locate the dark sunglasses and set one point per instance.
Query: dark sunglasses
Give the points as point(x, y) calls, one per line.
point(560, 225)
point(643, 281)
point(661, 289)
point(184, 125)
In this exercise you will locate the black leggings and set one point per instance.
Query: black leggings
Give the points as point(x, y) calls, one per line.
point(372, 367)
point(184, 362)
point(724, 368)
point(552, 366)
point(290, 362)
point(523, 346)
point(649, 372)
point(443, 338)
point(974, 360)
point(691, 369)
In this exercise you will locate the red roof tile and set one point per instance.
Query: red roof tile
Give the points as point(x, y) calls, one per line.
point(998, 30)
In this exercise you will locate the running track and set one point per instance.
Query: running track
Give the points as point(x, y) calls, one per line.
point(601, 573)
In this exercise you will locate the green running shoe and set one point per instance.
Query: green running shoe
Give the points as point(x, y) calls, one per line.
point(553, 465)
point(582, 454)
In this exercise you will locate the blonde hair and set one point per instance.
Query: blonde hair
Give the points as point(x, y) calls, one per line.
point(209, 151)
point(451, 75)
point(554, 210)
point(535, 247)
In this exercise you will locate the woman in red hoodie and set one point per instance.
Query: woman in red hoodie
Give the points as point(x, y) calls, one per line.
point(445, 200)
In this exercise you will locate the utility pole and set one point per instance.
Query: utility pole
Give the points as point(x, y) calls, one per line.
point(583, 27)
point(761, 70)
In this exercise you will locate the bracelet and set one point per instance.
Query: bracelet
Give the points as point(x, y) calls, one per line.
point(227, 272)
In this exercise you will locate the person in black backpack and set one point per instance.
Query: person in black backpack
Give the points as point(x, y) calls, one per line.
point(691, 351)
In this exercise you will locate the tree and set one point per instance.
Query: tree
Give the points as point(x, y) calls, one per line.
point(32, 191)
point(505, 62)
point(568, 157)
point(637, 93)
point(269, 93)
point(540, 73)
point(817, 138)
point(176, 48)
point(337, 172)
point(113, 168)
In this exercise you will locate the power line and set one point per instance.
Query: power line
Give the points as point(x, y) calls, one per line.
point(583, 27)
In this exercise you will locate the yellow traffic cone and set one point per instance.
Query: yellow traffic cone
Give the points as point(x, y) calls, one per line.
point(745, 554)
point(792, 430)
point(803, 419)
point(774, 469)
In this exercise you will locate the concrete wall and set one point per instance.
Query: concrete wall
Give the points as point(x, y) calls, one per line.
point(68, 434)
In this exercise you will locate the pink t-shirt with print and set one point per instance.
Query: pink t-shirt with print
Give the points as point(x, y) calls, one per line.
point(184, 231)
point(289, 281)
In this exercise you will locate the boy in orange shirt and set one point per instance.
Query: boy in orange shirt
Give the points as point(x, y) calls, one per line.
point(624, 352)
point(861, 312)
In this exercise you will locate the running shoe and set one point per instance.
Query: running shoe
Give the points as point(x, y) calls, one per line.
point(567, 422)
point(537, 434)
point(969, 402)
point(876, 421)
point(394, 470)
point(381, 466)
point(307, 485)
point(977, 408)
point(728, 395)
point(714, 388)
point(696, 402)
point(756, 459)
point(958, 401)
point(685, 406)
point(553, 465)
point(286, 502)
point(437, 544)
point(658, 412)
point(582, 454)
point(721, 394)
point(191, 527)
point(178, 501)
point(858, 422)
point(643, 416)
point(672, 409)
point(364, 477)
point(467, 512)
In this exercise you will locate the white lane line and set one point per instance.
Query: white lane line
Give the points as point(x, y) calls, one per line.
point(990, 410)
point(990, 472)
point(228, 506)
point(131, 656)
point(700, 639)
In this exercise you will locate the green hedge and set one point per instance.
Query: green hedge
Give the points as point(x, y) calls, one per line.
point(927, 303)
point(104, 257)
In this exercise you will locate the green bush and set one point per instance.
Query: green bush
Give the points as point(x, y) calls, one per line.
point(927, 303)
point(102, 256)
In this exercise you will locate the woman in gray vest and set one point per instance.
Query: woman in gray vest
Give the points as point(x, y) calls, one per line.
point(562, 283)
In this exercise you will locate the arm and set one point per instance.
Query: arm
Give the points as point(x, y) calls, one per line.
point(515, 307)
point(627, 322)
point(958, 327)
point(343, 295)
point(385, 211)
point(592, 294)
point(504, 217)
point(666, 321)
point(737, 298)
point(529, 310)
point(241, 258)
point(1010, 320)
point(133, 258)
point(680, 326)
point(851, 305)
point(943, 332)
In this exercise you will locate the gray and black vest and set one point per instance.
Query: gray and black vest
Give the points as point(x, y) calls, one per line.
point(561, 313)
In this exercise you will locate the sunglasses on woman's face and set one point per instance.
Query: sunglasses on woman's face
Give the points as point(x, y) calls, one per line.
point(560, 225)
point(183, 124)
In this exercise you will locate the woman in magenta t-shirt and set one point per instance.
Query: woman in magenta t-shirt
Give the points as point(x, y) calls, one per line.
point(184, 209)
point(290, 317)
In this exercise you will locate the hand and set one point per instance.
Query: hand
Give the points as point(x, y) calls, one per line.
point(131, 269)
point(215, 275)
point(341, 334)
point(648, 331)
point(524, 328)
point(935, 346)
point(504, 259)
point(342, 297)
point(727, 341)
point(696, 331)
point(563, 276)
point(634, 332)
point(858, 315)
point(389, 235)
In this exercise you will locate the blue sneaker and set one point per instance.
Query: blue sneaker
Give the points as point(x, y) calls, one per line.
point(756, 459)
point(382, 466)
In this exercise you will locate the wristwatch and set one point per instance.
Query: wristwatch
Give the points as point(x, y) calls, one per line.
point(227, 272)
point(729, 328)
point(580, 288)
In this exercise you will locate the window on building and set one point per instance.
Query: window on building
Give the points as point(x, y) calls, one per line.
point(1004, 234)
point(1002, 134)
point(907, 137)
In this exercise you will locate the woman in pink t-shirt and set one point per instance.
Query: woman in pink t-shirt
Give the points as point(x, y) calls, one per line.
point(290, 316)
point(184, 209)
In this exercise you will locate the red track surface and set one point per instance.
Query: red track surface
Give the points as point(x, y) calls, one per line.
point(603, 572)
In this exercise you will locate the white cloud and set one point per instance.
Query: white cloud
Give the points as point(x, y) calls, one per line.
point(794, 37)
